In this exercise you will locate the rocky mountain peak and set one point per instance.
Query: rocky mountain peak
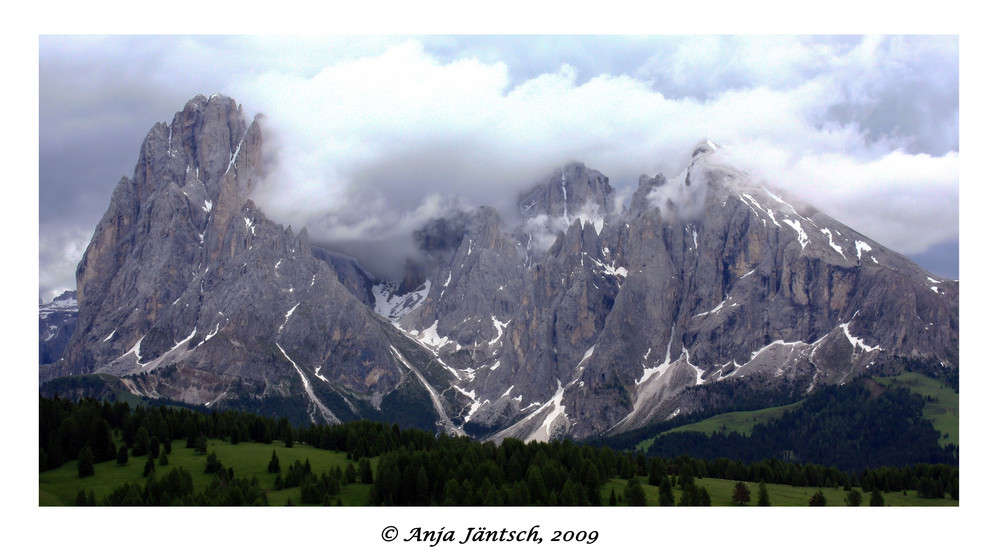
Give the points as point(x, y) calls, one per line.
point(704, 147)
point(576, 321)
point(187, 290)
point(570, 191)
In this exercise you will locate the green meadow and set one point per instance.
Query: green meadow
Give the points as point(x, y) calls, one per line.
point(942, 406)
point(941, 410)
point(60, 486)
point(247, 459)
point(741, 422)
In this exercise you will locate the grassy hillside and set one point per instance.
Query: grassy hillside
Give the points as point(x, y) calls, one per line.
point(247, 459)
point(736, 421)
point(941, 409)
point(60, 486)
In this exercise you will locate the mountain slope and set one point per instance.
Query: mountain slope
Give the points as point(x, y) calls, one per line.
point(188, 291)
point(56, 322)
point(603, 318)
point(580, 317)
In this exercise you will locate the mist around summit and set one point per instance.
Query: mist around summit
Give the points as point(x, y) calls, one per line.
point(370, 138)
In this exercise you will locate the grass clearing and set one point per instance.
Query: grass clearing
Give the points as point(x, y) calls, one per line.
point(247, 459)
point(941, 410)
point(741, 422)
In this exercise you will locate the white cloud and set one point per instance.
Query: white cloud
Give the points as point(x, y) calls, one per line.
point(59, 254)
point(363, 142)
point(906, 202)
point(374, 136)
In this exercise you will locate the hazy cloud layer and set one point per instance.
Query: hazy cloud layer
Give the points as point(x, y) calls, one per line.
point(371, 137)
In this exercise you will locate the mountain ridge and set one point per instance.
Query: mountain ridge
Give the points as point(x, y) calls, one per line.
point(586, 317)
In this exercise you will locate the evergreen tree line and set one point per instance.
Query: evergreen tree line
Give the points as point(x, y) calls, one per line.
point(461, 471)
point(927, 480)
point(419, 468)
point(319, 489)
point(66, 427)
point(177, 488)
point(894, 365)
point(847, 426)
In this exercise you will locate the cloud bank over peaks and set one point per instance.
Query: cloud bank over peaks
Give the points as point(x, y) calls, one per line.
point(369, 149)
point(368, 134)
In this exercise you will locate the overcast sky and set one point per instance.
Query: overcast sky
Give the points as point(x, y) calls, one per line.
point(372, 135)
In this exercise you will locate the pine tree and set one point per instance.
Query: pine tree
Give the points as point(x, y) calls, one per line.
point(274, 466)
point(141, 446)
point(817, 499)
point(122, 455)
point(657, 470)
point(666, 492)
point(536, 485)
point(149, 467)
point(853, 498)
point(421, 488)
point(85, 465)
point(741, 493)
point(367, 477)
point(611, 500)
point(154, 446)
point(876, 499)
point(704, 500)
point(634, 494)
point(212, 463)
point(592, 482)
point(763, 500)
point(566, 496)
point(163, 457)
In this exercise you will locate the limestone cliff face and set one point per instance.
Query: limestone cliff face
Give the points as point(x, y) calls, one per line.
point(165, 221)
point(188, 291)
point(705, 277)
point(581, 317)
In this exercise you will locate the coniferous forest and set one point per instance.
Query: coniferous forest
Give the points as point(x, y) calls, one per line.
point(844, 437)
point(842, 426)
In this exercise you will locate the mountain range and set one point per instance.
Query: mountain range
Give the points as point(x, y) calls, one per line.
point(582, 317)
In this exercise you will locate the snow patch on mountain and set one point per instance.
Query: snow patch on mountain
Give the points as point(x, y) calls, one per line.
point(443, 420)
point(392, 306)
point(856, 341)
point(803, 238)
point(834, 246)
point(862, 247)
point(316, 403)
point(500, 326)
